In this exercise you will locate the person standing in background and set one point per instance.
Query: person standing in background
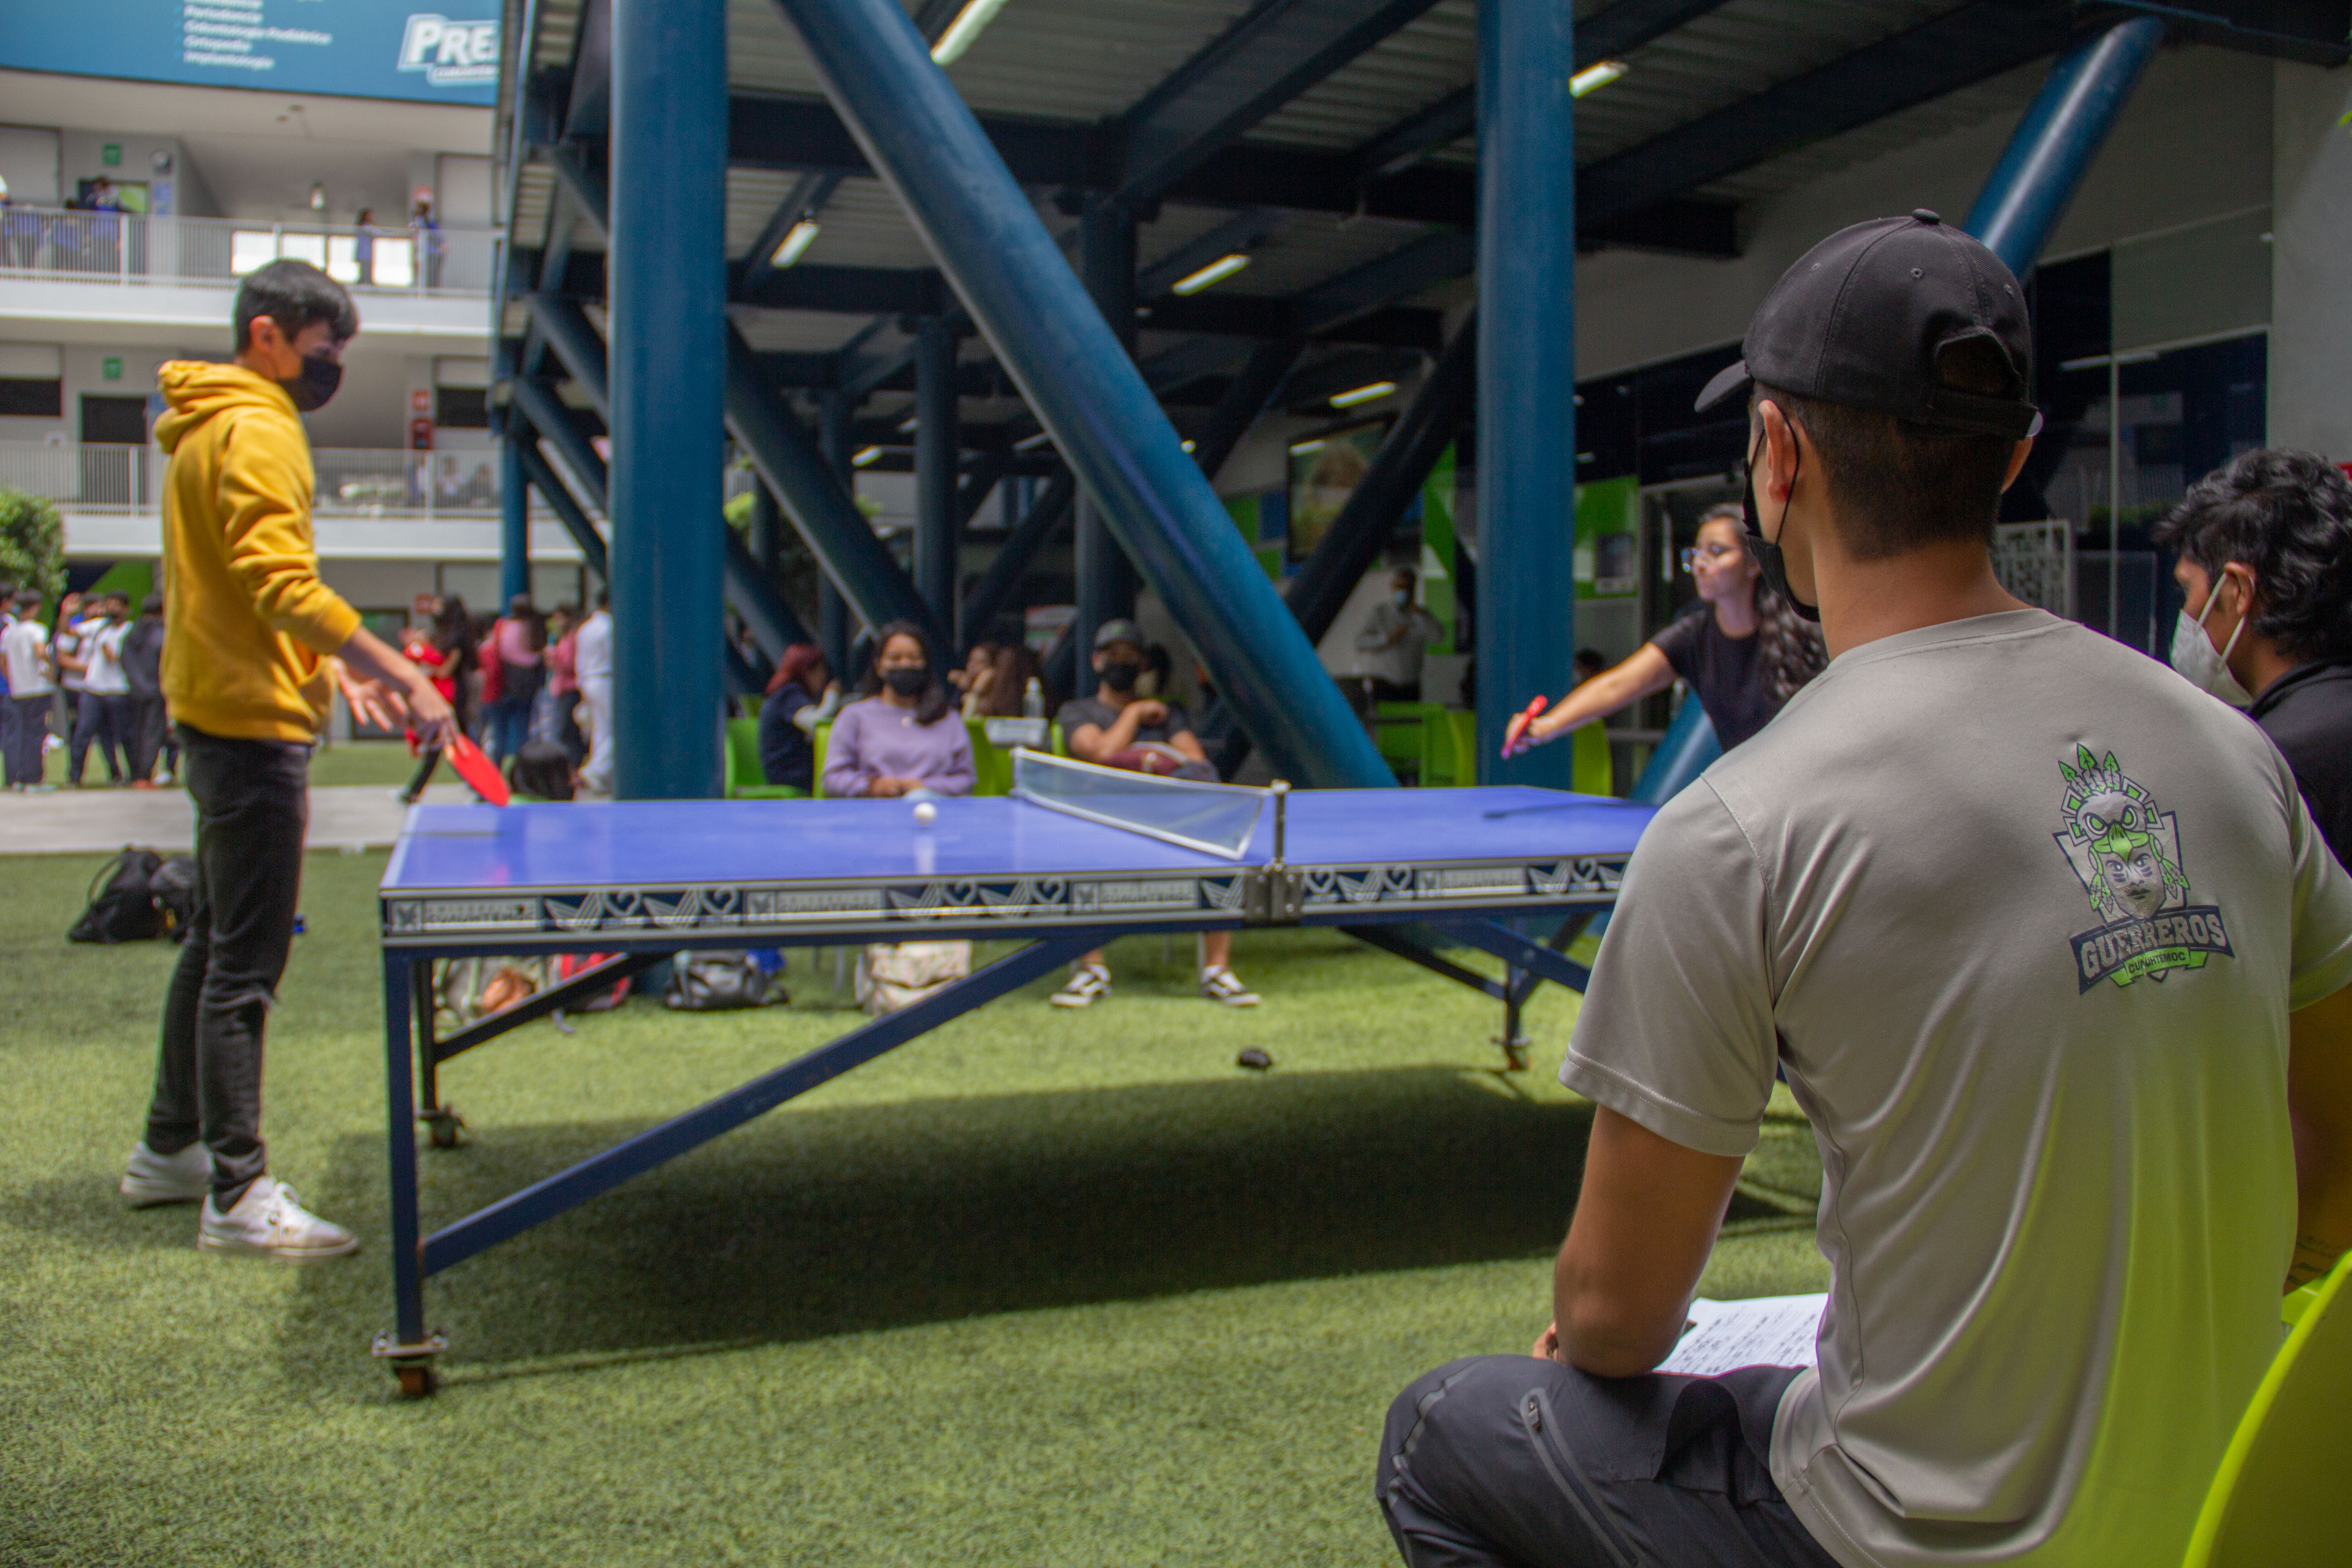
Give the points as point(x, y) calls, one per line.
point(517, 646)
point(363, 246)
point(2265, 572)
point(1392, 644)
point(25, 652)
point(144, 720)
point(255, 646)
point(106, 692)
point(556, 721)
point(65, 645)
point(592, 663)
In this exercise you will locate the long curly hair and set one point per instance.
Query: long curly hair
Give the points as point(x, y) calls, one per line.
point(2288, 515)
point(1789, 650)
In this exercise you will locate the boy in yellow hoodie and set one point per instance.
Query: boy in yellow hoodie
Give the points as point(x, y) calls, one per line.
point(254, 645)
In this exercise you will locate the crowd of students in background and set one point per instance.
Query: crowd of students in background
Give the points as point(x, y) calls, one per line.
point(93, 677)
point(521, 680)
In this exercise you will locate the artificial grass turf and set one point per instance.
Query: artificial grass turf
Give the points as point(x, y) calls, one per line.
point(1041, 1288)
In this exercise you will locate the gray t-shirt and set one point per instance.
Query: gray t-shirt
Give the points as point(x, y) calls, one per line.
point(2022, 914)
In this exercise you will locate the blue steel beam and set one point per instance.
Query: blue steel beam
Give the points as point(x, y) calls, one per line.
point(1031, 533)
point(1276, 51)
point(835, 626)
point(601, 1172)
point(936, 525)
point(1106, 580)
point(668, 265)
point(827, 519)
point(1527, 375)
point(547, 414)
point(566, 507)
point(754, 595)
point(566, 328)
point(514, 521)
point(2050, 151)
point(916, 130)
point(1252, 389)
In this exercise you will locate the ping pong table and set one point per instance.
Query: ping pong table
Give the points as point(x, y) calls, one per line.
point(1076, 856)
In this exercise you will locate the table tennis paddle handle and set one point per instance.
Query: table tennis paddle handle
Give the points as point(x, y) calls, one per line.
point(1515, 737)
point(477, 770)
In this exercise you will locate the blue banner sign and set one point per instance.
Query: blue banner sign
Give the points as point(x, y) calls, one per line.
point(349, 48)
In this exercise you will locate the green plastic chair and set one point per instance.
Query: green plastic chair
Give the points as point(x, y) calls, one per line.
point(1449, 748)
point(2283, 1493)
point(746, 780)
point(991, 769)
point(1589, 768)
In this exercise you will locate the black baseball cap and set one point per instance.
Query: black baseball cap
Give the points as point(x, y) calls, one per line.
point(1861, 318)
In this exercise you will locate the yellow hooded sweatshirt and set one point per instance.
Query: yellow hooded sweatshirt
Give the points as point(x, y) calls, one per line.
point(247, 621)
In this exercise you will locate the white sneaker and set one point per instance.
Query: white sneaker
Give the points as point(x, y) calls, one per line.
point(1089, 984)
point(1221, 985)
point(148, 1178)
point(269, 1223)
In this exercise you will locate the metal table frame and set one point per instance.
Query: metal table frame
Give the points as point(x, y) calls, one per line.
point(1398, 910)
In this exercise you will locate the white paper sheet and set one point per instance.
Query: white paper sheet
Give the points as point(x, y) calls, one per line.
point(1767, 1331)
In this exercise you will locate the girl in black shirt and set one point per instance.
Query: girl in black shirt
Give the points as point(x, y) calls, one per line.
point(1741, 649)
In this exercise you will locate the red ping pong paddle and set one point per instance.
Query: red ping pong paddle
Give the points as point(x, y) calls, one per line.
point(477, 770)
point(1516, 734)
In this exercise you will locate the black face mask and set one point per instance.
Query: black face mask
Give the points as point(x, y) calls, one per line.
point(1769, 559)
point(310, 390)
point(1120, 674)
point(907, 680)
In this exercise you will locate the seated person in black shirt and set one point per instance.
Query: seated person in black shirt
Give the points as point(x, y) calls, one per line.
point(801, 695)
point(1742, 650)
point(1119, 729)
point(2265, 567)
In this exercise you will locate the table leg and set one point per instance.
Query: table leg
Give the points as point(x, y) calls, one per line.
point(408, 1347)
point(442, 1120)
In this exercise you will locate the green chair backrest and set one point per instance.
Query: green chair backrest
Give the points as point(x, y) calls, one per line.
point(1590, 772)
point(991, 769)
point(822, 738)
point(1449, 748)
point(743, 755)
point(2283, 1493)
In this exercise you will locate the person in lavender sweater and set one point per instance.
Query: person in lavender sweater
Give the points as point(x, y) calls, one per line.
point(903, 738)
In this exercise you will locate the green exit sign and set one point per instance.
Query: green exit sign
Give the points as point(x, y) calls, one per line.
point(110, 368)
point(110, 155)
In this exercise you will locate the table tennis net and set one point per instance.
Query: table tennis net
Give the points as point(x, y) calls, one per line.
point(1214, 818)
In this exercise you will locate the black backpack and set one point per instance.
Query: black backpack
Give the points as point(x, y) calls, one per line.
point(122, 902)
point(138, 896)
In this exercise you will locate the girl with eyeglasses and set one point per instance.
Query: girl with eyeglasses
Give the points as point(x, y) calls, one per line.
point(1742, 650)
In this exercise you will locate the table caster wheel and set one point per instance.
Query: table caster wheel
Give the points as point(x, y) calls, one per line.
point(444, 1126)
point(412, 1365)
point(415, 1382)
point(1514, 1054)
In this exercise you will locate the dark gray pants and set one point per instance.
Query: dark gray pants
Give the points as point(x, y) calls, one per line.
point(1511, 1462)
point(252, 808)
point(27, 725)
point(103, 716)
point(149, 729)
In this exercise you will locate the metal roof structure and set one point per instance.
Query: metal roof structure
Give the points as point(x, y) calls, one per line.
point(1328, 139)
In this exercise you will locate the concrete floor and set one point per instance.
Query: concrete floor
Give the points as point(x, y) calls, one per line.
point(350, 816)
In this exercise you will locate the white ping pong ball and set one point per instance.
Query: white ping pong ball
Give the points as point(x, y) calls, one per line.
point(924, 812)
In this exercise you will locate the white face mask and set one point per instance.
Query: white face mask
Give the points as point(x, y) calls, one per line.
point(2193, 655)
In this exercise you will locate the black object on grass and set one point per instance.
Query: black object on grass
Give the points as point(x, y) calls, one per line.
point(1252, 1058)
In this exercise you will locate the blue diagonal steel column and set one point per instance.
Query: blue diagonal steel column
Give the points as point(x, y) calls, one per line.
point(834, 621)
point(1105, 584)
point(936, 524)
point(916, 132)
point(1527, 375)
point(2029, 189)
point(668, 302)
point(514, 521)
point(836, 533)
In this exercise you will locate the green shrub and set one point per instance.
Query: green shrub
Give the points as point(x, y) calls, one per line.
point(32, 543)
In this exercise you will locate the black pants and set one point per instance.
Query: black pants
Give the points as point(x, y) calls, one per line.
point(27, 726)
point(252, 807)
point(427, 761)
point(103, 716)
point(1511, 1462)
point(149, 728)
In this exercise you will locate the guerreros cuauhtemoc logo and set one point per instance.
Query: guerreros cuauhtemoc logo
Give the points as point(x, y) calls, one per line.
point(2127, 853)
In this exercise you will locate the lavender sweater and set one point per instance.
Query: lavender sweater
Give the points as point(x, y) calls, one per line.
point(872, 740)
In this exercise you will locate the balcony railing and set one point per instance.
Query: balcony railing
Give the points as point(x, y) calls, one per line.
point(131, 247)
point(351, 482)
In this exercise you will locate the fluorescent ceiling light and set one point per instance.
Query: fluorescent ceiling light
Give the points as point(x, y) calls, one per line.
point(1188, 445)
point(976, 15)
point(1372, 392)
point(1300, 449)
point(906, 425)
point(1031, 443)
point(1216, 272)
point(796, 242)
point(864, 455)
point(1595, 77)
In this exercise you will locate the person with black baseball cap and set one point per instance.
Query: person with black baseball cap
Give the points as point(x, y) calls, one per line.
point(2052, 957)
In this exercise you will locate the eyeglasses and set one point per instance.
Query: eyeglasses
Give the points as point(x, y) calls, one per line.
point(1714, 554)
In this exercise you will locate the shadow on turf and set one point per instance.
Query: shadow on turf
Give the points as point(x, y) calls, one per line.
point(823, 1222)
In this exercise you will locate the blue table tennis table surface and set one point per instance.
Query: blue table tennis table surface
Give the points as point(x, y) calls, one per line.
point(668, 843)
